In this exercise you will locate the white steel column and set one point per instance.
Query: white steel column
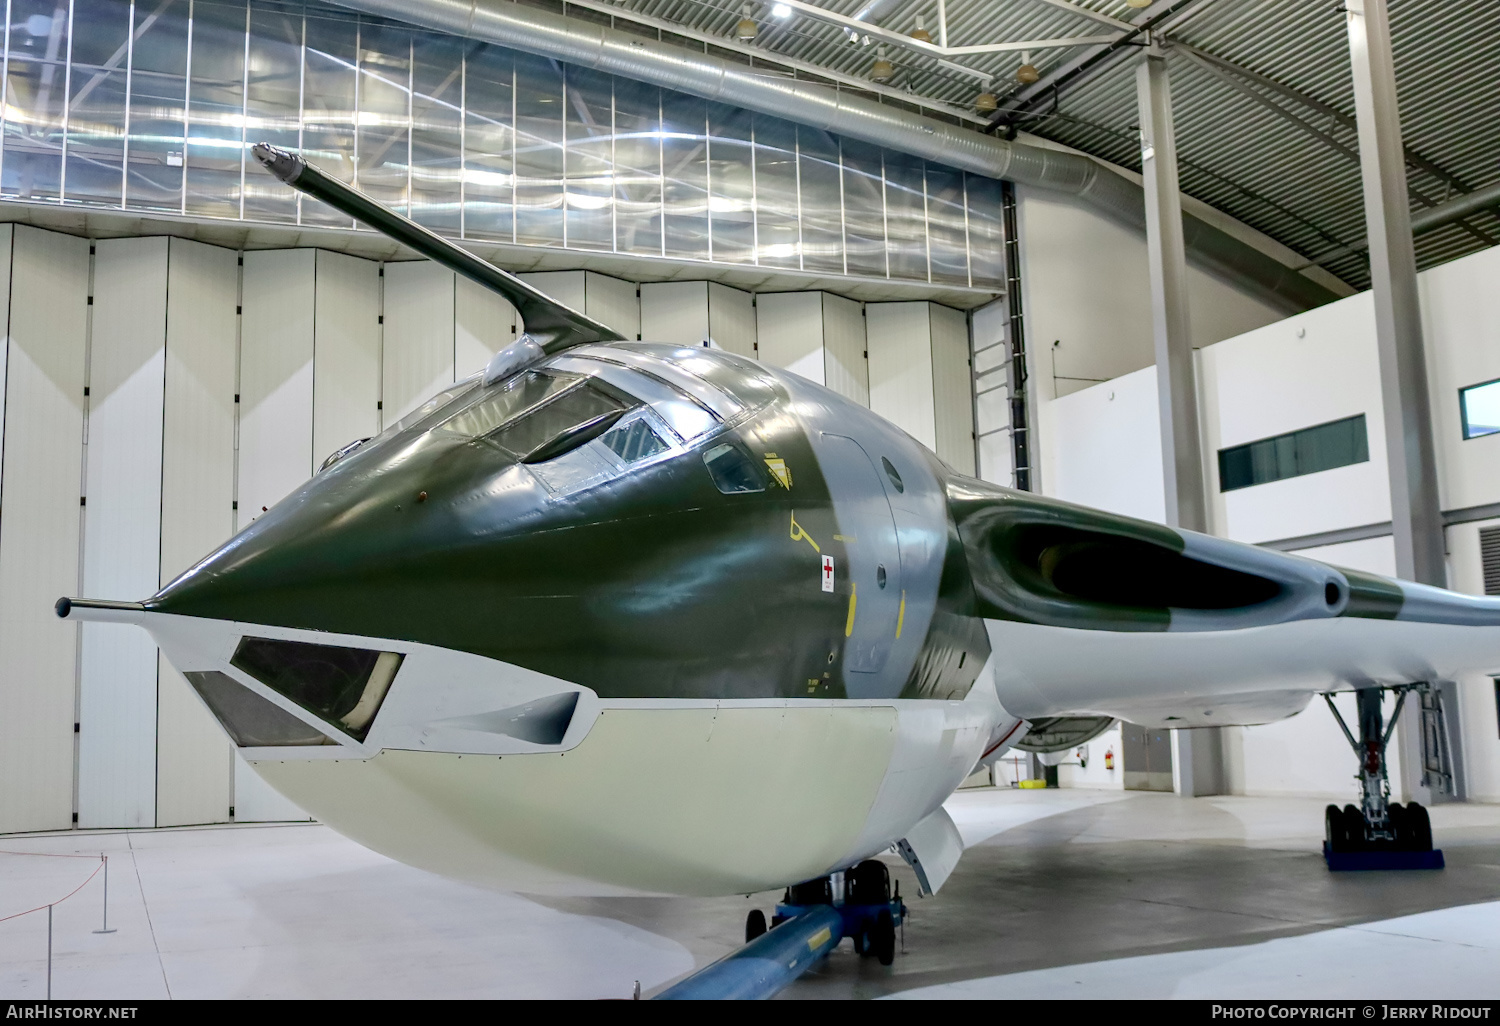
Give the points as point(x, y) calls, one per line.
point(1416, 518)
point(1196, 754)
point(1182, 458)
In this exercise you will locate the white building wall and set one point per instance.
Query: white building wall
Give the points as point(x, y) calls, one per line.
point(1087, 300)
point(194, 760)
point(689, 313)
point(920, 378)
point(608, 300)
point(1101, 446)
point(39, 525)
point(346, 353)
point(122, 531)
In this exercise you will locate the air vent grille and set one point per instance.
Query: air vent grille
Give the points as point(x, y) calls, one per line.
point(1489, 555)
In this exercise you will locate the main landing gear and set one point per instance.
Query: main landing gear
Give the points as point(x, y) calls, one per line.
point(1379, 833)
point(869, 912)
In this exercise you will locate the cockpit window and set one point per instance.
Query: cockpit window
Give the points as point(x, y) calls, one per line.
point(499, 405)
point(732, 470)
point(635, 441)
point(573, 408)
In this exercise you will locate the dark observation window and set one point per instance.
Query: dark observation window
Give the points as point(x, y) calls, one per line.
point(344, 686)
point(1497, 701)
point(575, 408)
point(635, 441)
point(250, 720)
point(1479, 407)
point(1340, 443)
point(732, 470)
point(890, 472)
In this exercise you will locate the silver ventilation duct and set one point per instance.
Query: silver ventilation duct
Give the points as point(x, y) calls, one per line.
point(609, 50)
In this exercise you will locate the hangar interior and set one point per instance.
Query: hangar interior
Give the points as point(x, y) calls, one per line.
point(188, 341)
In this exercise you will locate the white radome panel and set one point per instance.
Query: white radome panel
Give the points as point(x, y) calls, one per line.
point(194, 783)
point(276, 377)
point(418, 355)
point(346, 353)
point(39, 548)
point(122, 532)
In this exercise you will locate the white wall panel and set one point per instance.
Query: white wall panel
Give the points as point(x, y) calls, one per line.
point(789, 331)
point(846, 369)
point(1085, 284)
point(122, 532)
point(39, 529)
point(346, 353)
point(483, 324)
point(255, 801)
point(953, 403)
point(276, 377)
point(194, 759)
point(899, 336)
point(570, 288)
point(418, 338)
point(731, 319)
point(675, 312)
point(1101, 447)
point(1461, 315)
point(6, 237)
point(612, 301)
point(1479, 706)
point(1309, 369)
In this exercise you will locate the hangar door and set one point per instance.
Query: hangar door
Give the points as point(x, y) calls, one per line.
point(869, 532)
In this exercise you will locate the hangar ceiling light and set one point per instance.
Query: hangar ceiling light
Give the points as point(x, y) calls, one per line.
point(746, 30)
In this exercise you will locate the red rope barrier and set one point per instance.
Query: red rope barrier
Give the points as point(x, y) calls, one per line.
point(65, 897)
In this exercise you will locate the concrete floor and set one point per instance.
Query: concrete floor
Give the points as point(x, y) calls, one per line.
point(1061, 894)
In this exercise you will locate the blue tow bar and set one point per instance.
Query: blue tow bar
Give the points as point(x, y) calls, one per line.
point(766, 965)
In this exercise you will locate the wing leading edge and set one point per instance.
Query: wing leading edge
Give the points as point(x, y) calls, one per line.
point(1091, 612)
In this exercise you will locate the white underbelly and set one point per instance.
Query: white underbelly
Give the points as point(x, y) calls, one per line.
point(708, 799)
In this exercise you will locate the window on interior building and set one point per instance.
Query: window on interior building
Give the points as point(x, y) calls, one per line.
point(1339, 443)
point(1479, 406)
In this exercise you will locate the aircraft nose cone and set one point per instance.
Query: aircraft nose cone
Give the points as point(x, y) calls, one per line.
point(363, 544)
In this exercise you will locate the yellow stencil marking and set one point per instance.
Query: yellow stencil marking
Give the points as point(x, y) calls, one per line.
point(847, 539)
point(779, 471)
point(901, 616)
point(800, 535)
point(818, 939)
point(853, 597)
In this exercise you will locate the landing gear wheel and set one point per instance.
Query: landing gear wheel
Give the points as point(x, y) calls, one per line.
point(1419, 826)
point(859, 942)
point(1354, 829)
point(883, 937)
point(1333, 828)
point(755, 925)
point(1400, 826)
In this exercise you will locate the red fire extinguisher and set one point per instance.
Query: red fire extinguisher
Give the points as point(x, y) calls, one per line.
point(1109, 758)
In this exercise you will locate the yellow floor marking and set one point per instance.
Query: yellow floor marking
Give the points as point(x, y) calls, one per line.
point(901, 616)
point(800, 535)
point(853, 597)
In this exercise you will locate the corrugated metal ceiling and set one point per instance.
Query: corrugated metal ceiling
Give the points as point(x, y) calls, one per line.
point(1237, 153)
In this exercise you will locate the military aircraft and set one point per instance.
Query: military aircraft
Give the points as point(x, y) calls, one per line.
point(615, 617)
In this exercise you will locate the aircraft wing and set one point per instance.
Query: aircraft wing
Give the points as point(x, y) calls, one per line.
point(1091, 612)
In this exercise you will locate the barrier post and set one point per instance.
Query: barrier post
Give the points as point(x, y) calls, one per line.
point(104, 928)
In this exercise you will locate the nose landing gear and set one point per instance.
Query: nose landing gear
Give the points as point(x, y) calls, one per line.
point(1379, 833)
